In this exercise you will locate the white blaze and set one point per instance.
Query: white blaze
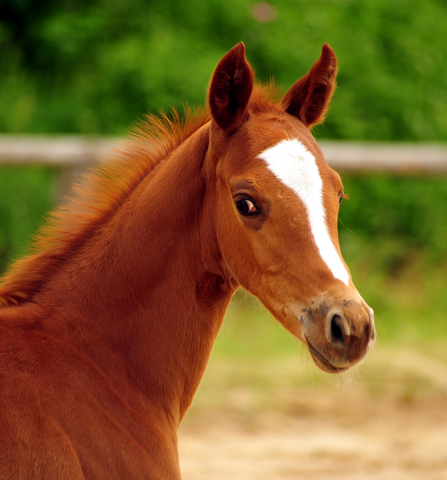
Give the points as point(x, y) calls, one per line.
point(295, 166)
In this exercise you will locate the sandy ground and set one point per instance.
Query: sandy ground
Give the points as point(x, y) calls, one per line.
point(390, 443)
point(329, 433)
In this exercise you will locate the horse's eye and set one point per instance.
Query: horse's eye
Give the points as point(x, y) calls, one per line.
point(246, 207)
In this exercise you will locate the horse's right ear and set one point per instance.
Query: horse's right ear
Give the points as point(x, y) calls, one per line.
point(230, 89)
point(309, 97)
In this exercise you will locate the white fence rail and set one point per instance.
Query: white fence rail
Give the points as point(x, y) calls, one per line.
point(74, 153)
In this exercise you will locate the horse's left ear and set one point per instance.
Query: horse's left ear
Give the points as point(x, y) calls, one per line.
point(309, 97)
point(230, 89)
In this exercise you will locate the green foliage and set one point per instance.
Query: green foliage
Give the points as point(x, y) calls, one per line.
point(26, 195)
point(97, 66)
point(410, 209)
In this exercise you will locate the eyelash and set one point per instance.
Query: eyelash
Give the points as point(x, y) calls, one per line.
point(343, 195)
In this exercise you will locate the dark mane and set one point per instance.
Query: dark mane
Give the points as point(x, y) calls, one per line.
point(95, 199)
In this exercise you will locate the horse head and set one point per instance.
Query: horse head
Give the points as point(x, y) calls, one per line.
point(274, 204)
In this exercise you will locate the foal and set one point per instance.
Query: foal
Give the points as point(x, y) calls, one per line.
point(106, 330)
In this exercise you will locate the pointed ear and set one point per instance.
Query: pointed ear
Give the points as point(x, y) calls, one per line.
point(309, 97)
point(230, 89)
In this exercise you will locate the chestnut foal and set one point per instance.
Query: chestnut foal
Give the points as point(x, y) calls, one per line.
point(106, 329)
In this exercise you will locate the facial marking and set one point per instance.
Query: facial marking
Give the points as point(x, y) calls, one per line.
point(295, 166)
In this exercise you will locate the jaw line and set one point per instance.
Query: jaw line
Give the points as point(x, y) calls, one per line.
point(321, 362)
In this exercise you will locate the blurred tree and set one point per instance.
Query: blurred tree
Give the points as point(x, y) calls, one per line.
point(23, 25)
point(96, 66)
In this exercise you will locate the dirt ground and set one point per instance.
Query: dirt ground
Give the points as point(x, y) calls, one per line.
point(357, 441)
point(324, 433)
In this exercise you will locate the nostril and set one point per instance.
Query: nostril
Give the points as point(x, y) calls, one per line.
point(336, 330)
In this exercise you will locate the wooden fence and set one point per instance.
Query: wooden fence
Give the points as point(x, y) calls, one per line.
point(71, 154)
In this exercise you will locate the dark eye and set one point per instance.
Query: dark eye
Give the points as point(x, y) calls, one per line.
point(246, 207)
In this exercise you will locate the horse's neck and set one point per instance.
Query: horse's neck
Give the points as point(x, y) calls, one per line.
point(138, 297)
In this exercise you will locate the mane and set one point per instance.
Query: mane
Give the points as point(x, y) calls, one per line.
point(95, 199)
point(103, 190)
